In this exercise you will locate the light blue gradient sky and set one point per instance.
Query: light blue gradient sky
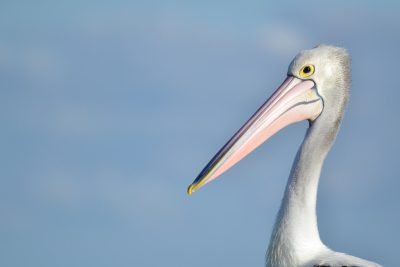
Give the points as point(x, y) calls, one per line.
point(110, 109)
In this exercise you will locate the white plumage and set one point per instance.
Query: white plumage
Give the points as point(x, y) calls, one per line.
point(317, 89)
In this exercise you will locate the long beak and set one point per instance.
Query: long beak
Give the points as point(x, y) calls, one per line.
point(295, 100)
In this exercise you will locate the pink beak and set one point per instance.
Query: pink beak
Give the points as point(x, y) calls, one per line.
point(295, 100)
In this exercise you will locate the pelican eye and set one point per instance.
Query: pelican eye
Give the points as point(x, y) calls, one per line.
point(307, 70)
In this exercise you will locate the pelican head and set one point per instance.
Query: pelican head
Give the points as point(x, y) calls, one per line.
point(316, 89)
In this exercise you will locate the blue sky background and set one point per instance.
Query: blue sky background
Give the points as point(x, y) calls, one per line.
point(109, 109)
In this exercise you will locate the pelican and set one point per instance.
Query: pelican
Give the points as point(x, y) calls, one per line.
point(316, 89)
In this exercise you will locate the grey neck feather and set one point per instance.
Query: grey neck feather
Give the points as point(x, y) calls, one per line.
point(296, 231)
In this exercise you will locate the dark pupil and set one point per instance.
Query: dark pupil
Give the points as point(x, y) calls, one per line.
point(307, 69)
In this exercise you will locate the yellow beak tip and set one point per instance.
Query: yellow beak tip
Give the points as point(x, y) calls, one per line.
point(190, 189)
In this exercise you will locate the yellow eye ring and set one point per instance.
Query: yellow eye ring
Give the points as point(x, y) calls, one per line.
point(307, 70)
